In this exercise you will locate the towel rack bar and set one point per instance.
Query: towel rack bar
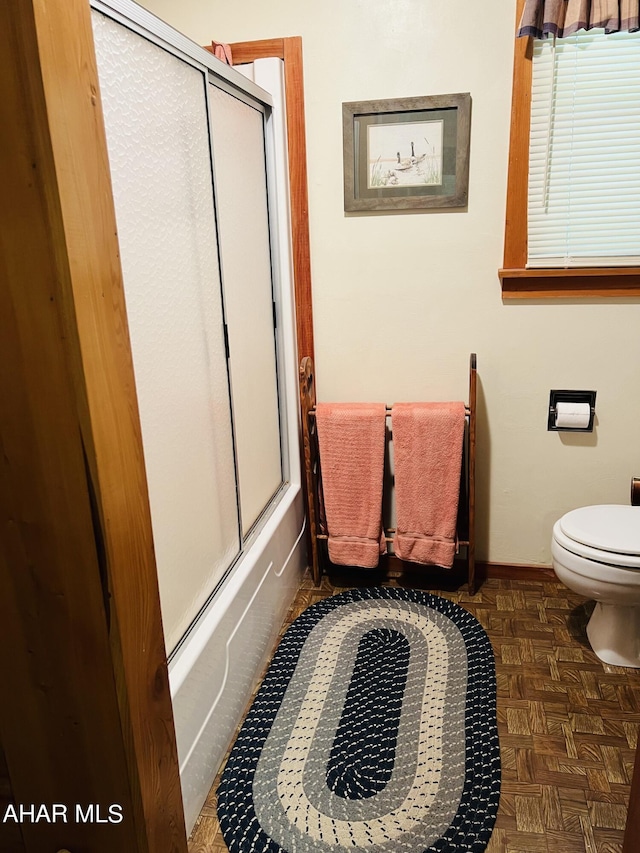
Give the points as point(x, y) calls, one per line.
point(322, 537)
point(389, 410)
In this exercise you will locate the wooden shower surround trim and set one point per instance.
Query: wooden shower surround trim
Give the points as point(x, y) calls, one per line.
point(290, 51)
point(517, 281)
point(83, 660)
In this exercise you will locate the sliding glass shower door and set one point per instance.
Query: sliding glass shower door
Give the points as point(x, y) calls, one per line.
point(241, 187)
point(187, 160)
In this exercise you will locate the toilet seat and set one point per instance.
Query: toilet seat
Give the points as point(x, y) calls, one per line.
point(607, 534)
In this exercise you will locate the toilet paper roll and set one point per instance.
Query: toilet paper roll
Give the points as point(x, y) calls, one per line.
point(573, 415)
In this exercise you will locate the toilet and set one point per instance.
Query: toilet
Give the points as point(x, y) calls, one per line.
point(596, 553)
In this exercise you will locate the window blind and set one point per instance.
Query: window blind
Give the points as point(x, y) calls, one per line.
point(584, 152)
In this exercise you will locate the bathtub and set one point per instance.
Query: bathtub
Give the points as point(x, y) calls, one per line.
point(215, 670)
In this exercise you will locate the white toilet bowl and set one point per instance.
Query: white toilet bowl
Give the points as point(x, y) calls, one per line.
point(596, 552)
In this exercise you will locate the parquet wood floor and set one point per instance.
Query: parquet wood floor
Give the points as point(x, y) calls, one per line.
point(568, 723)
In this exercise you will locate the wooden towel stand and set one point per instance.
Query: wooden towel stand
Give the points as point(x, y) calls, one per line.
point(465, 532)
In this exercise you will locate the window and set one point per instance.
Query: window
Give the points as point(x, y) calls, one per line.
point(584, 152)
point(573, 206)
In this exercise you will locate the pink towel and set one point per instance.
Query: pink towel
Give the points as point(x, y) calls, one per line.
point(222, 51)
point(427, 448)
point(352, 442)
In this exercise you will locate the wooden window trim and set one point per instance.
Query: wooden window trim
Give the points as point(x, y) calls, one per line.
point(517, 281)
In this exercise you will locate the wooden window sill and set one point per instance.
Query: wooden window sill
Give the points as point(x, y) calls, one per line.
point(583, 282)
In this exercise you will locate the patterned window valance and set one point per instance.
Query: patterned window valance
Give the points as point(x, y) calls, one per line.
point(561, 18)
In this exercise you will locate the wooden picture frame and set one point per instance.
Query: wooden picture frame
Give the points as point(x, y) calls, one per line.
point(406, 154)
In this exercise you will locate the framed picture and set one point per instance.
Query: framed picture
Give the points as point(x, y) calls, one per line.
point(406, 154)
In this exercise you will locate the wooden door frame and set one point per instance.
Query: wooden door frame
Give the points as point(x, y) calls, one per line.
point(632, 828)
point(83, 659)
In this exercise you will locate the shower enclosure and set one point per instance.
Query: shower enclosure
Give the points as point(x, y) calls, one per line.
point(197, 154)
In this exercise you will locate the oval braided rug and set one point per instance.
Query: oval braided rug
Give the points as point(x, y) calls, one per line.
point(374, 730)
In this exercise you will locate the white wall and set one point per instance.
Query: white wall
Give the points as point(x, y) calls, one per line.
point(401, 299)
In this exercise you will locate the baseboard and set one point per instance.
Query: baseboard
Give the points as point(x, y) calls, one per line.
point(484, 570)
point(437, 578)
point(515, 571)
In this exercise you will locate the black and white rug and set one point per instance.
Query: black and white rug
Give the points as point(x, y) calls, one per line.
point(374, 730)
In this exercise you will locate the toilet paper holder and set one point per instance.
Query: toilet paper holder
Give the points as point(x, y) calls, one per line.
point(556, 397)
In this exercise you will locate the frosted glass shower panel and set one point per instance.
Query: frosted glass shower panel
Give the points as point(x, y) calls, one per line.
point(160, 158)
point(243, 220)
